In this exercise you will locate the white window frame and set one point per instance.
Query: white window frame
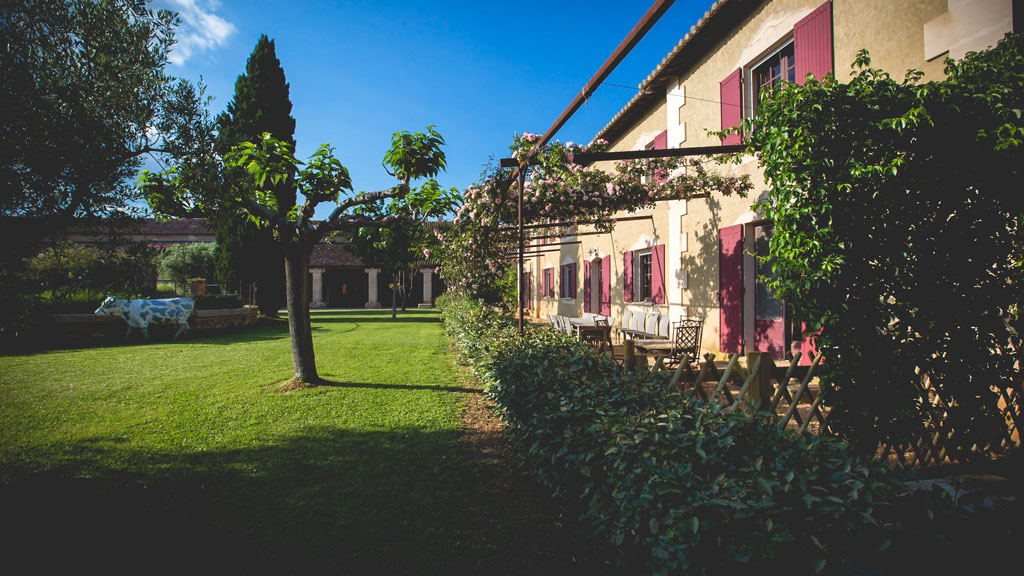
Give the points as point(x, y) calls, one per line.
point(638, 277)
point(749, 104)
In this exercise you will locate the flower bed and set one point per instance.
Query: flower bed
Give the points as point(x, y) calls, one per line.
point(669, 481)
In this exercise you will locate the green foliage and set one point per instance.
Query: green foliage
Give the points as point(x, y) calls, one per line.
point(416, 155)
point(87, 96)
point(66, 269)
point(667, 480)
point(184, 262)
point(896, 235)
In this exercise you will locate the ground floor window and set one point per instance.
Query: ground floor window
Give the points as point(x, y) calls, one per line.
point(567, 289)
point(644, 275)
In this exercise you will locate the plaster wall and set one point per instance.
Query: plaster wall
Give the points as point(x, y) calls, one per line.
point(895, 35)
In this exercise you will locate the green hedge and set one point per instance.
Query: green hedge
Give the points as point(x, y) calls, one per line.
point(670, 481)
point(217, 301)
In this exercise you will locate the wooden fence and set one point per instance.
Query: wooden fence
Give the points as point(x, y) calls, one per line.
point(795, 398)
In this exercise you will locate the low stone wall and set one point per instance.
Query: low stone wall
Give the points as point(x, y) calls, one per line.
point(206, 320)
point(68, 328)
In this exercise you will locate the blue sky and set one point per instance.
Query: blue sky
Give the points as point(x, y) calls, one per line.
point(480, 71)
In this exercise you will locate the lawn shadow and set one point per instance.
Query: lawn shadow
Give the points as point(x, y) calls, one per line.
point(336, 384)
point(325, 500)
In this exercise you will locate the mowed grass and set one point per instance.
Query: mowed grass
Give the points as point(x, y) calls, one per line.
point(185, 455)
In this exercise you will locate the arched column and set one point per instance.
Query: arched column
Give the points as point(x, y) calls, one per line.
point(371, 278)
point(318, 288)
point(428, 287)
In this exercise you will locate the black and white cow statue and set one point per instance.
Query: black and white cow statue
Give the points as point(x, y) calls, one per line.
point(142, 313)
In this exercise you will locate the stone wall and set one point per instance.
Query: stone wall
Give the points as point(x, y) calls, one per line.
point(63, 329)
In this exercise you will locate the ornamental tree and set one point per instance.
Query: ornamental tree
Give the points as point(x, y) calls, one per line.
point(268, 163)
point(898, 235)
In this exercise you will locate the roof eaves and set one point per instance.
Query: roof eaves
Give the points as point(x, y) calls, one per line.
point(658, 77)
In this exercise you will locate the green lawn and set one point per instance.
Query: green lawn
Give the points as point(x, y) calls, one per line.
point(168, 455)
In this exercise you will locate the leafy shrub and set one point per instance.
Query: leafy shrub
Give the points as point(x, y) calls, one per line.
point(218, 301)
point(183, 262)
point(668, 480)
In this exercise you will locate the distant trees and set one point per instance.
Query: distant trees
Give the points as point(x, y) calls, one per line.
point(187, 261)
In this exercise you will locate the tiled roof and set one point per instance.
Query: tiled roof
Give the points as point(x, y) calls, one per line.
point(183, 226)
point(329, 255)
point(704, 35)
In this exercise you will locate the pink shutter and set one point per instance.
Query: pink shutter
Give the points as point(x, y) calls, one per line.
point(808, 347)
point(658, 274)
point(627, 276)
point(586, 286)
point(730, 289)
point(606, 286)
point(812, 44)
point(573, 288)
point(661, 141)
point(732, 104)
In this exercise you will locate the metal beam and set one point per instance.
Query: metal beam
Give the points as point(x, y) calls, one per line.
point(573, 223)
point(586, 158)
point(649, 19)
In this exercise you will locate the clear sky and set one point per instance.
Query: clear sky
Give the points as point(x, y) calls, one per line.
point(480, 71)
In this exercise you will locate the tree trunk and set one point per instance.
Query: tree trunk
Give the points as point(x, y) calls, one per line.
point(394, 296)
point(404, 280)
point(296, 269)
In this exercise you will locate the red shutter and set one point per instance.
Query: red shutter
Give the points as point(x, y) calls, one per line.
point(812, 44)
point(658, 274)
point(627, 276)
point(573, 288)
point(661, 141)
point(730, 289)
point(808, 347)
point(732, 104)
point(586, 286)
point(606, 286)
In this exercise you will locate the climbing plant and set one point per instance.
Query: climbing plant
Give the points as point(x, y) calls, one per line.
point(898, 236)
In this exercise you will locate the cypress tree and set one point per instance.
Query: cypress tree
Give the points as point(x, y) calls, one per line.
point(261, 104)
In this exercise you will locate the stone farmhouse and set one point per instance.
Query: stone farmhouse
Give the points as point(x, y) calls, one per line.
point(695, 259)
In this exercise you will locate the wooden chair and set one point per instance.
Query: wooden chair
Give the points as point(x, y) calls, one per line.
point(601, 337)
point(686, 341)
point(620, 331)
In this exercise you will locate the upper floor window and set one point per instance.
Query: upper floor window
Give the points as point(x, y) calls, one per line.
point(777, 68)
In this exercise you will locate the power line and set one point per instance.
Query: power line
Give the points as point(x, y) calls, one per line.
point(684, 96)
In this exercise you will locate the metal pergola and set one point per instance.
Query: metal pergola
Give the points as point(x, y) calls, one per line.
point(653, 14)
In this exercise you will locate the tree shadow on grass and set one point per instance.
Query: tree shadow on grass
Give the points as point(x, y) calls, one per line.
point(336, 384)
point(326, 500)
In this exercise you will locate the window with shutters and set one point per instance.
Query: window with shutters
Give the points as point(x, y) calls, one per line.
point(764, 74)
point(549, 284)
point(777, 68)
point(567, 288)
point(643, 276)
